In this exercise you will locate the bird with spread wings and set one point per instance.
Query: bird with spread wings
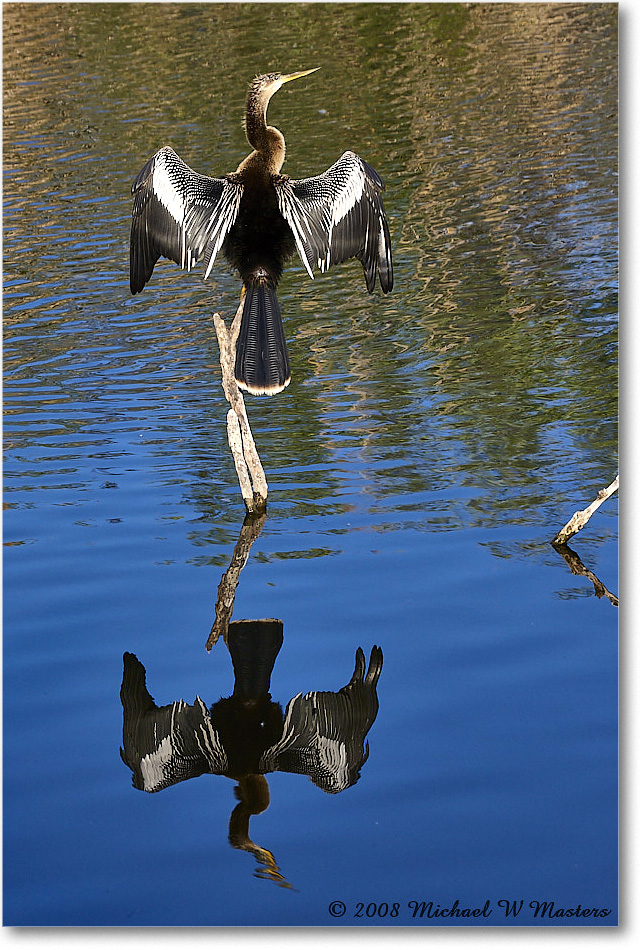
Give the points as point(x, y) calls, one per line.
point(259, 219)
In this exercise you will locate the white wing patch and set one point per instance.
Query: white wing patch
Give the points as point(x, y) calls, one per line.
point(349, 196)
point(153, 766)
point(165, 190)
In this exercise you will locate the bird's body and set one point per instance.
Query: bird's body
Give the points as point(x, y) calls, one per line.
point(259, 219)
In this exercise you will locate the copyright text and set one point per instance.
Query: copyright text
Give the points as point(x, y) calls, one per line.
point(544, 910)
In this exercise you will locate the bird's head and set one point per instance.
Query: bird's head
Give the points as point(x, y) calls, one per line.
point(266, 140)
point(264, 87)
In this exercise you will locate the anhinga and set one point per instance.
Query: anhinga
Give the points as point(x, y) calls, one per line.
point(259, 218)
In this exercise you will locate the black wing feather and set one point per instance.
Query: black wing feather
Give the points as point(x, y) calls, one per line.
point(324, 734)
point(163, 745)
point(339, 215)
point(178, 214)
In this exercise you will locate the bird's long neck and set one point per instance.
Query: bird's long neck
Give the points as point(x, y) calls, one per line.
point(267, 141)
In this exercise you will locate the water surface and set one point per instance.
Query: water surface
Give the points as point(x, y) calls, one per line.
point(429, 446)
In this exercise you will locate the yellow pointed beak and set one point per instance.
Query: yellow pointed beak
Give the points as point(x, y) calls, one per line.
point(304, 72)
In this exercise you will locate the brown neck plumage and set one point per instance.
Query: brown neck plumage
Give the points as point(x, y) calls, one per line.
point(265, 139)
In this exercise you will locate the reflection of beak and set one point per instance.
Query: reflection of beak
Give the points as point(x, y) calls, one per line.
point(254, 796)
point(304, 72)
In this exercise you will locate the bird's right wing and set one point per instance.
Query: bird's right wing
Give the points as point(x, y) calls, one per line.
point(178, 214)
point(339, 215)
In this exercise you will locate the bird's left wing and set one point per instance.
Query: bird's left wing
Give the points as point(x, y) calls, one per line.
point(163, 745)
point(178, 214)
point(339, 215)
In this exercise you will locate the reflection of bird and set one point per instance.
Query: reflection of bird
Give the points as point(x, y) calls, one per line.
point(258, 218)
point(321, 734)
point(247, 735)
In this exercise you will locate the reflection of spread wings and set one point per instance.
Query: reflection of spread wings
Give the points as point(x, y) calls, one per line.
point(324, 733)
point(167, 744)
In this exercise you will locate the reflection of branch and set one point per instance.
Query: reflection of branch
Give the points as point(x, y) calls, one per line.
point(250, 531)
point(574, 562)
point(246, 458)
point(580, 518)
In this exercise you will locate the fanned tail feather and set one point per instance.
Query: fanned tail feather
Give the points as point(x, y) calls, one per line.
point(262, 364)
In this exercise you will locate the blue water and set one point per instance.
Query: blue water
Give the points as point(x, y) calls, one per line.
point(430, 445)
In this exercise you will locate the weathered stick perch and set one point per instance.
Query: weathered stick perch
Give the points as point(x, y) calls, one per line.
point(580, 518)
point(249, 470)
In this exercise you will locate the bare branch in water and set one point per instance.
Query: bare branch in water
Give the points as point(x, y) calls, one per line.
point(249, 470)
point(580, 518)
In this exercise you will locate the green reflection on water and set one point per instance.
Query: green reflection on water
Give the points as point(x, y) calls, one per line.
point(491, 371)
